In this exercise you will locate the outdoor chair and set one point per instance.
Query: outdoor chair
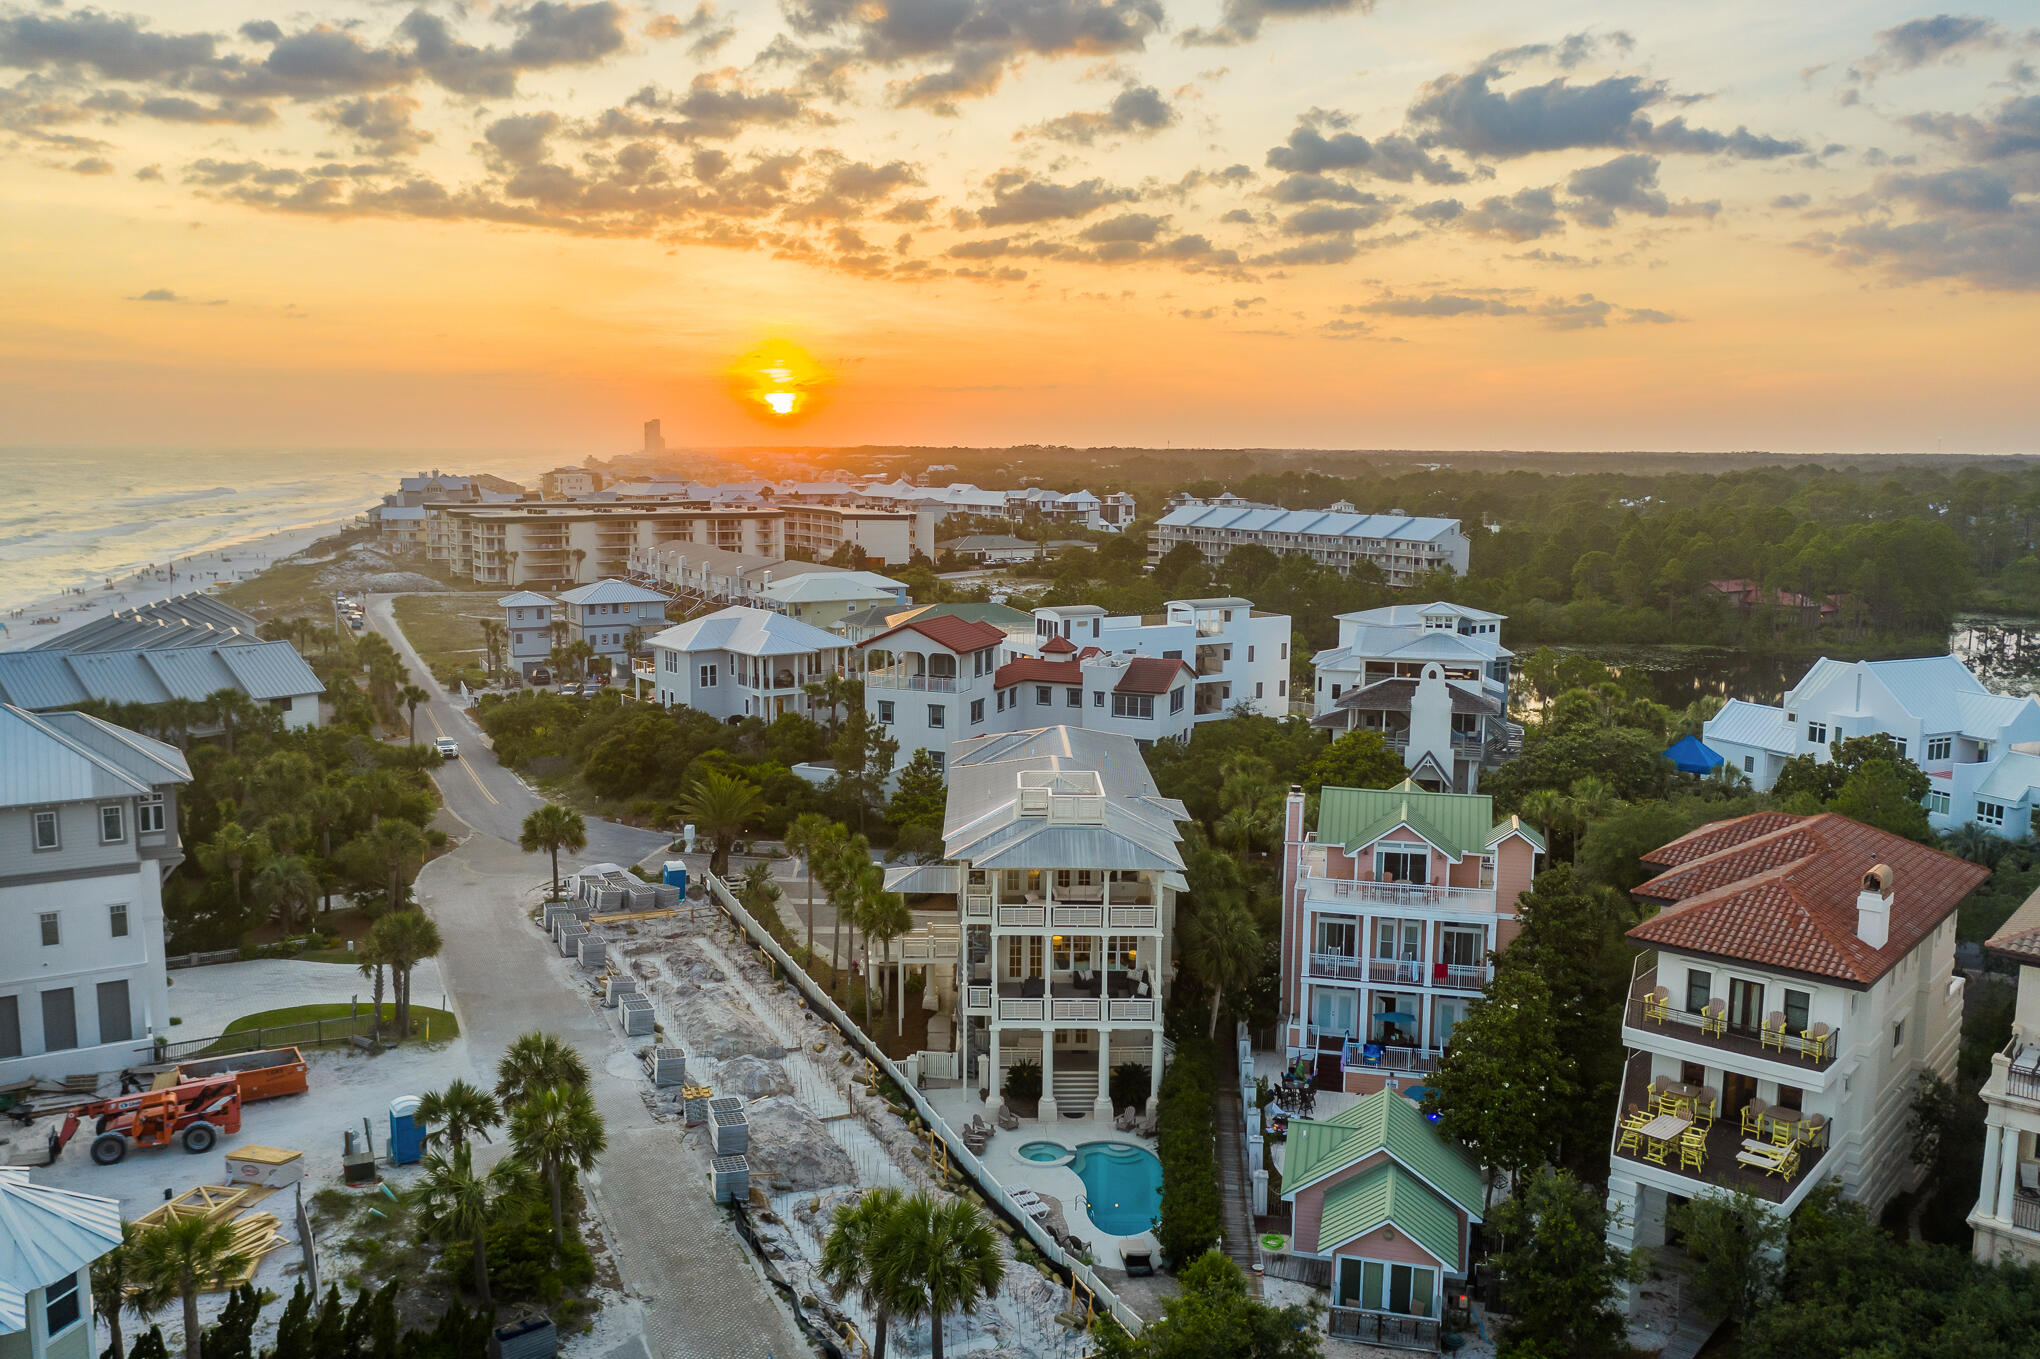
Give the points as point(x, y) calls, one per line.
point(1787, 1165)
point(1781, 1133)
point(1714, 1018)
point(1752, 1121)
point(1773, 1031)
point(1656, 1149)
point(1816, 1039)
point(1706, 1106)
point(1630, 1141)
point(1692, 1149)
point(1006, 1118)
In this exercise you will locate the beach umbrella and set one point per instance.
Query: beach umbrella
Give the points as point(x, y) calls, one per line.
point(1396, 1017)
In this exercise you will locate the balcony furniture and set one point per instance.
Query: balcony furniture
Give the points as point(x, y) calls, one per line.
point(1632, 1132)
point(1816, 1043)
point(2029, 1176)
point(1813, 1130)
point(1714, 1018)
point(1033, 988)
point(1774, 1030)
point(1783, 1121)
point(1370, 1054)
point(1787, 1164)
point(1772, 1160)
point(1660, 1133)
point(1706, 1106)
point(1657, 1005)
point(1753, 1117)
point(1693, 1149)
point(1006, 1118)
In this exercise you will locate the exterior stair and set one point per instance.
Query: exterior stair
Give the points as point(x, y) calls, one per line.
point(1076, 1092)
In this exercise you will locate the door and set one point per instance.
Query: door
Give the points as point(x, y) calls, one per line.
point(1737, 1090)
point(1450, 1012)
point(1333, 1010)
point(59, 1020)
point(116, 1024)
point(1399, 1289)
point(1745, 1005)
point(1338, 938)
point(1349, 1282)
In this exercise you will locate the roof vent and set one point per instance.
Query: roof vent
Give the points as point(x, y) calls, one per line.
point(1873, 907)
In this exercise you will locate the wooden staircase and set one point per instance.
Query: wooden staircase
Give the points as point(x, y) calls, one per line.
point(1076, 1092)
point(1235, 1190)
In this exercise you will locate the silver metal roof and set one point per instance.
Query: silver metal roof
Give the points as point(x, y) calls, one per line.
point(748, 632)
point(53, 679)
point(983, 823)
point(70, 757)
point(612, 591)
point(193, 619)
point(271, 670)
point(46, 1235)
point(39, 679)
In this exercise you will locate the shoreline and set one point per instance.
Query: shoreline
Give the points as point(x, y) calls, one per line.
point(219, 564)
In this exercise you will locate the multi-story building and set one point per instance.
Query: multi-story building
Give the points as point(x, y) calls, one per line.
point(2006, 1219)
point(1797, 980)
point(1432, 679)
point(1239, 655)
point(399, 526)
point(527, 627)
point(570, 483)
point(53, 1238)
point(1062, 862)
point(930, 682)
point(1401, 546)
point(614, 617)
point(1147, 698)
point(886, 537)
point(826, 598)
point(1392, 910)
point(88, 832)
point(1942, 717)
point(740, 662)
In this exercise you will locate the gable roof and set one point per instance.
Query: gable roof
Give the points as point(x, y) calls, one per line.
point(1058, 644)
point(2018, 939)
point(748, 632)
point(192, 619)
point(1324, 523)
point(46, 1235)
point(1151, 675)
point(610, 590)
point(958, 634)
point(1385, 1121)
point(1388, 1195)
point(1785, 897)
point(1940, 691)
point(983, 822)
point(1036, 670)
point(51, 679)
point(525, 599)
point(1752, 724)
point(1456, 823)
point(820, 587)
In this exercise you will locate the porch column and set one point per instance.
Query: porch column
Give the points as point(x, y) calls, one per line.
point(992, 1095)
point(1154, 1098)
point(2008, 1171)
point(1101, 1107)
point(1993, 1147)
point(1048, 1109)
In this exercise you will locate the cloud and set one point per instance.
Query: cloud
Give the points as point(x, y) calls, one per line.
point(717, 106)
point(707, 29)
point(1923, 42)
point(520, 139)
point(1466, 113)
point(1627, 183)
point(380, 124)
point(1580, 311)
point(1018, 198)
point(157, 295)
point(1240, 21)
point(1522, 216)
point(92, 165)
point(176, 108)
point(1443, 304)
point(2010, 129)
point(1990, 251)
point(1395, 157)
point(118, 47)
point(1140, 227)
point(1327, 250)
point(1316, 189)
point(1138, 110)
point(1329, 218)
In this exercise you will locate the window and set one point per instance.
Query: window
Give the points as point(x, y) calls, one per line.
point(1097, 698)
point(1940, 748)
point(977, 711)
point(1285, 651)
point(1282, 688)
point(51, 935)
point(1797, 1005)
point(1176, 700)
point(1250, 653)
point(1838, 733)
point(1749, 764)
point(149, 814)
point(10, 1026)
point(1335, 691)
point(1898, 1035)
point(938, 716)
point(1073, 698)
point(45, 829)
point(1133, 705)
point(1816, 732)
point(1042, 695)
point(59, 1020)
point(112, 824)
point(885, 711)
point(941, 758)
point(708, 676)
point(1259, 685)
point(60, 1306)
point(1699, 989)
point(117, 921)
point(1990, 813)
point(1937, 803)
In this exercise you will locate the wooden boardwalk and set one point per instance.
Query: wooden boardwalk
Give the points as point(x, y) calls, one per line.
point(1235, 1188)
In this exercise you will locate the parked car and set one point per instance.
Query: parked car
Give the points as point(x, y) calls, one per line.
point(570, 691)
point(541, 675)
point(448, 749)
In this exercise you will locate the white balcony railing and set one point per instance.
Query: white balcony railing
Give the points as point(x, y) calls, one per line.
point(1023, 917)
point(893, 679)
point(1417, 896)
point(1077, 917)
point(1021, 1009)
point(1140, 1010)
point(978, 907)
point(1134, 918)
point(1080, 1011)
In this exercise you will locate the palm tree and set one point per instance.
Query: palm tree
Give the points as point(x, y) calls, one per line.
point(841, 869)
point(233, 850)
point(454, 1202)
point(371, 957)
point(412, 696)
point(810, 836)
point(720, 806)
point(1224, 949)
point(1972, 842)
point(288, 882)
point(492, 643)
point(458, 1112)
point(324, 807)
point(113, 1276)
point(537, 1061)
point(399, 848)
point(884, 916)
point(1549, 811)
point(935, 1258)
point(850, 1254)
point(559, 1130)
point(232, 710)
point(406, 938)
point(552, 828)
point(181, 1258)
point(1590, 798)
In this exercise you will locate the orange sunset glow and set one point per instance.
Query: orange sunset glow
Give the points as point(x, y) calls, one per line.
point(1219, 222)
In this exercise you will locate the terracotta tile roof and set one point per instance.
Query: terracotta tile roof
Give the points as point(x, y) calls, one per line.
point(1715, 836)
point(958, 634)
point(1782, 894)
point(1149, 675)
point(2018, 939)
point(1055, 645)
point(1033, 669)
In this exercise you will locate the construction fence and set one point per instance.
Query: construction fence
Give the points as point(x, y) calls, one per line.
point(960, 1155)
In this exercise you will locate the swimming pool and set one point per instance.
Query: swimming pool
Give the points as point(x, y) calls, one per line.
point(1122, 1186)
point(1049, 1152)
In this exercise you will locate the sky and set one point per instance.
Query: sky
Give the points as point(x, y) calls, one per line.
point(1261, 223)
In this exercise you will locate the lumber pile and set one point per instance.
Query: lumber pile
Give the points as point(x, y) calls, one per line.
point(255, 1234)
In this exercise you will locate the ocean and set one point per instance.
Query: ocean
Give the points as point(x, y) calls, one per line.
point(73, 518)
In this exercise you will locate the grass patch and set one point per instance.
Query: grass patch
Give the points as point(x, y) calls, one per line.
point(292, 587)
point(446, 630)
point(305, 1025)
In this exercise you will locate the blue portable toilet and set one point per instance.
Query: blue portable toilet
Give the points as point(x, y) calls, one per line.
point(407, 1134)
point(676, 875)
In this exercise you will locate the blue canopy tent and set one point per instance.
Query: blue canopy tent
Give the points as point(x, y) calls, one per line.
point(1690, 755)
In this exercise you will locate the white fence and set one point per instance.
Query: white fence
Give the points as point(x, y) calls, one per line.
point(959, 1154)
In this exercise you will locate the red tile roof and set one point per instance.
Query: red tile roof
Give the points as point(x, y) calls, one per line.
point(960, 635)
point(1780, 891)
point(1057, 644)
point(1149, 675)
point(1033, 669)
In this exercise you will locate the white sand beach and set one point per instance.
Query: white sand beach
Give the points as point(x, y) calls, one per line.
point(19, 627)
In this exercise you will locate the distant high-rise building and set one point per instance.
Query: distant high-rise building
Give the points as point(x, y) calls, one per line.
point(655, 442)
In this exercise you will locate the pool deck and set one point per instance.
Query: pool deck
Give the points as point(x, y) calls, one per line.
point(1003, 1159)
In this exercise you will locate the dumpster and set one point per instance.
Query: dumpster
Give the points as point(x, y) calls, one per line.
point(407, 1134)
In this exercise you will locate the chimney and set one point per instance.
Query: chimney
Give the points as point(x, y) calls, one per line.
point(1873, 907)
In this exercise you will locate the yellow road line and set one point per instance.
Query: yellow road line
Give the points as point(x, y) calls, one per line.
point(480, 787)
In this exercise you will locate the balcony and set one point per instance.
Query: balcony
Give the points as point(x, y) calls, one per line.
point(977, 907)
point(1132, 917)
point(978, 999)
point(1140, 1010)
point(1390, 1057)
point(2022, 1071)
point(901, 679)
point(1399, 972)
point(2026, 1211)
point(1023, 917)
point(1724, 1141)
point(1063, 917)
point(1365, 892)
point(1393, 1330)
point(1789, 1048)
point(1021, 1010)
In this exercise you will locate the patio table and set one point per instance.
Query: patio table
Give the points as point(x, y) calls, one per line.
point(1665, 1127)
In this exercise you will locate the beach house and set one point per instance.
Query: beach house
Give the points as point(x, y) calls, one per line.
point(528, 632)
point(2006, 1219)
point(741, 662)
point(1238, 655)
point(931, 681)
point(614, 617)
point(49, 1239)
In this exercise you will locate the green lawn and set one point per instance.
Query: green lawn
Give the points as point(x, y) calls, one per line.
point(446, 629)
point(301, 1025)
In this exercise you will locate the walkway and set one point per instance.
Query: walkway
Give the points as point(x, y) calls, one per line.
point(1234, 1189)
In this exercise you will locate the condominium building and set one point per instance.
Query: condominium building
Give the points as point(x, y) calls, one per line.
point(614, 617)
point(1400, 545)
point(1797, 980)
point(1238, 654)
point(1062, 862)
point(931, 681)
point(740, 662)
point(1432, 679)
point(527, 628)
point(88, 832)
point(1942, 717)
point(1392, 909)
point(2006, 1219)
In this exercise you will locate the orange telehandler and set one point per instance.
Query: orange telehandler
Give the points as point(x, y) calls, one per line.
point(195, 1113)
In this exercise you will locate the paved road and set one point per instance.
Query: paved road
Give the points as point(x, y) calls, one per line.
point(700, 1291)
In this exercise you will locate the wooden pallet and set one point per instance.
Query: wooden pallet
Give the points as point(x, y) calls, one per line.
point(625, 917)
point(214, 1201)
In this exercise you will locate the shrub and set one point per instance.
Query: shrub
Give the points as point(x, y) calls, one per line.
point(523, 1263)
point(1023, 1081)
point(1130, 1084)
point(1188, 1150)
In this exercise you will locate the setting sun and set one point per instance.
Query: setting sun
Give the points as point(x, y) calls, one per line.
point(778, 381)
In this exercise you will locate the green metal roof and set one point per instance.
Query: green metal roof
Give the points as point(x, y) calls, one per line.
point(1516, 825)
point(1390, 1195)
point(1458, 823)
point(1386, 1120)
